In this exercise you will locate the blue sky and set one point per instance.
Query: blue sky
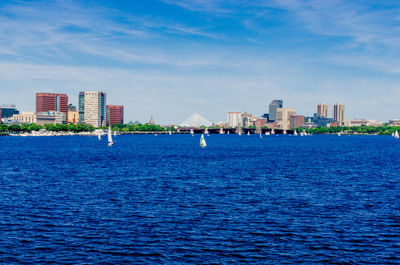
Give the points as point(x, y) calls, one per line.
point(170, 58)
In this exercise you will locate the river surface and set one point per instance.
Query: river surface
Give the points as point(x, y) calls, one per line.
point(164, 200)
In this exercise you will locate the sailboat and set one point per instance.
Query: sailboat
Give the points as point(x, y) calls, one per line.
point(170, 133)
point(339, 134)
point(99, 137)
point(192, 132)
point(261, 136)
point(202, 141)
point(110, 141)
point(396, 134)
point(272, 131)
point(248, 133)
point(295, 133)
point(227, 132)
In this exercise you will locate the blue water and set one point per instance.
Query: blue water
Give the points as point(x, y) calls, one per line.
point(164, 200)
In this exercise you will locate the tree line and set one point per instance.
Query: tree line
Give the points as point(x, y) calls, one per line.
point(76, 128)
point(363, 129)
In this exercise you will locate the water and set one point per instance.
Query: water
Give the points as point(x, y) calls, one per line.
point(147, 199)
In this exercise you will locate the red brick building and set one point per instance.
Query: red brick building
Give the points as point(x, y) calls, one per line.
point(296, 121)
point(115, 114)
point(52, 102)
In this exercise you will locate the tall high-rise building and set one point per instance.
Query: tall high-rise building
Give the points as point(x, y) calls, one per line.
point(52, 102)
point(338, 113)
point(81, 107)
point(322, 110)
point(115, 115)
point(234, 119)
point(283, 117)
point(273, 106)
point(92, 108)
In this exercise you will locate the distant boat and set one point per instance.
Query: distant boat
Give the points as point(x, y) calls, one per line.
point(170, 133)
point(227, 132)
point(110, 141)
point(396, 135)
point(115, 133)
point(99, 137)
point(248, 133)
point(339, 134)
point(202, 141)
point(295, 133)
point(192, 132)
point(272, 131)
point(261, 136)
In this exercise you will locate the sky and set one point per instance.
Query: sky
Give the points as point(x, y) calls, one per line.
point(172, 58)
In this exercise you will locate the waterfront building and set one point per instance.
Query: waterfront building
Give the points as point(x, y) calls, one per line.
point(318, 120)
point(296, 121)
point(7, 111)
point(25, 117)
point(50, 117)
point(115, 114)
point(52, 102)
point(73, 117)
point(234, 119)
point(283, 117)
point(92, 108)
point(394, 122)
point(246, 120)
point(322, 110)
point(273, 107)
point(360, 122)
point(81, 107)
point(338, 113)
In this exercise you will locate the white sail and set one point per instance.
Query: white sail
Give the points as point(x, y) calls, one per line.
point(227, 132)
point(295, 132)
point(272, 131)
point(110, 141)
point(396, 134)
point(261, 135)
point(202, 141)
point(99, 136)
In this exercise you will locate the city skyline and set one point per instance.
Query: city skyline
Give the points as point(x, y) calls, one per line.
point(171, 59)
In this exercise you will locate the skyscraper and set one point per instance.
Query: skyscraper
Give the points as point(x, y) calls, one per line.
point(338, 113)
point(322, 110)
point(115, 114)
point(92, 108)
point(81, 107)
point(275, 104)
point(52, 102)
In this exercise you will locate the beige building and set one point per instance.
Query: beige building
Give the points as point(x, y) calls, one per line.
point(73, 117)
point(95, 108)
point(322, 110)
point(283, 117)
point(338, 113)
point(234, 119)
point(25, 117)
point(53, 117)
